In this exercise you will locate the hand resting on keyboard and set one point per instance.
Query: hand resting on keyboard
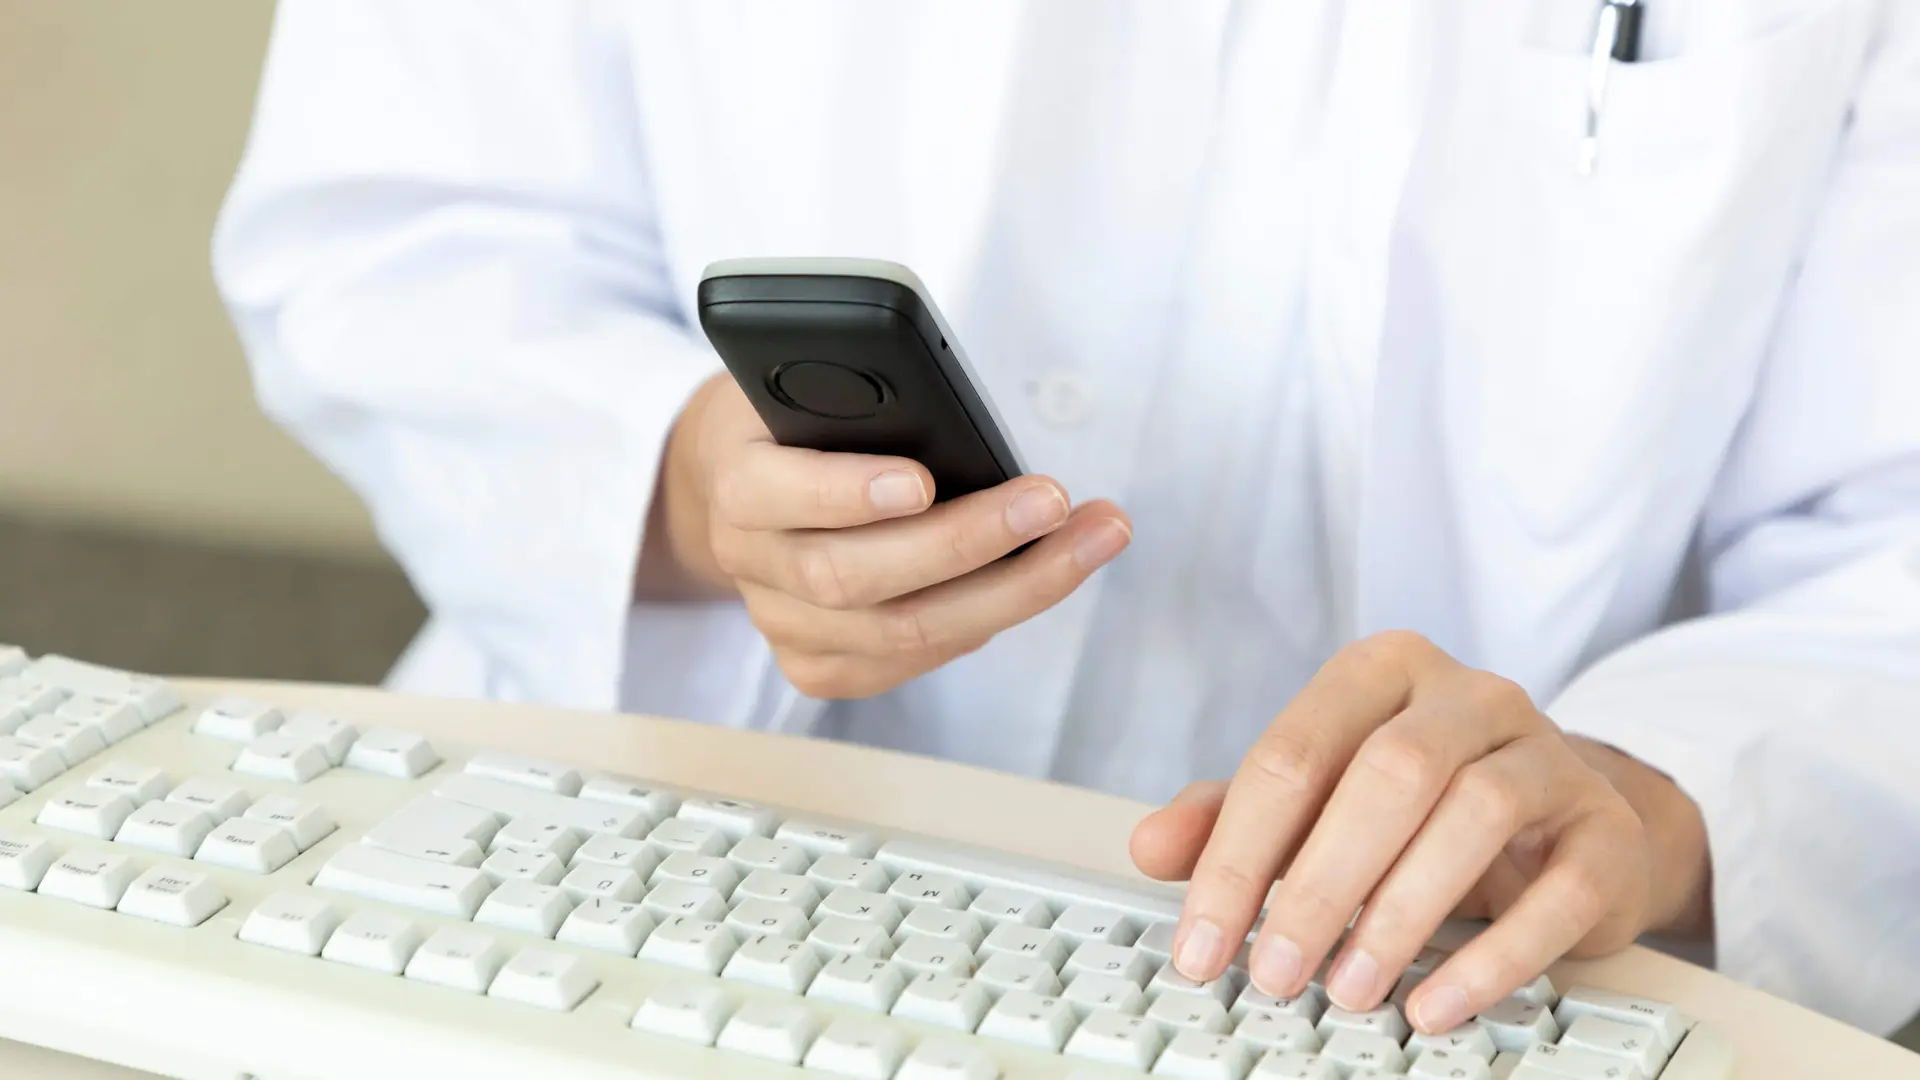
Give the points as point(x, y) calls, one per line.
point(1405, 781)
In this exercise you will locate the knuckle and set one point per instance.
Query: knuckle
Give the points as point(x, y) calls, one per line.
point(1404, 762)
point(1496, 694)
point(1305, 901)
point(728, 493)
point(1488, 802)
point(1392, 646)
point(729, 549)
point(1287, 761)
point(1226, 879)
point(819, 578)
point(1583, 901)
point(904, 629)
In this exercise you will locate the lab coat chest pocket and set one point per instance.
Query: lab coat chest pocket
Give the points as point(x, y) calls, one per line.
point(1606, 329)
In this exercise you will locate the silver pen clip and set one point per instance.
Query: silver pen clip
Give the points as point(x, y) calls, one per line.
point(1616, 37)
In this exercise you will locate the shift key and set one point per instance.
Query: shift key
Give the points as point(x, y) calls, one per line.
point(399, 879)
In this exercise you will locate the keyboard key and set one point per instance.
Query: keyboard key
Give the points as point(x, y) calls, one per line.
point(849, 937)
point(1030, 1020)
point(704, 870)
point(690, 901)
point(174, 897)
point(1308, 1006)
point(1538, 992)
point(1156, 941)
point(947, 1059)
point(1441, 1064)
point(790, 889)
point(1504, 1065)
point(115, 720)
point(1196, 1055)
point(1224, 989)
point(1189, 1012)
point(750, 918)
point(459, 960)
point(859, 981)
point(775, 856)
point(292, 921)
point(1277, 1031)
point(373, 874)
point(221, 799)
point(1574, 1063)
point(943, 1001)
point(96, 879)
point(237, 719)
point(818, 838)
point(1350, 1050)
point(1294, 1066)
point(253, 846)
point(530, 772)
point(656, 803)
point(11, 717)
point(26, 766)
point(1096, 957)
point(676, 834)
point(399, 754)
point(834, 871)
point(776, 963)
point(1107, 993)
point(1015, 939)
point(154, 698)
point(985, 870)
point(695, 944)
point(1663, 1020)
point(1516, 1025)
point(93, 812)
point(1083, 923)
point(548, 835)
point(776, 1031)
point(859, 1048)
point(331, 734)
point(607, 925)
point(620, 852)
point(918, 955)
point(946, 925)
point(73, 740)
point(374, 941)
point(13, 660)
point(940, 890)
point(732, 817)
point(535, 866)
point(1130, 1042)
point(510, 802)
point(24, 860)
point(279, 756)
point(1469, 1038)
point(694, 1012)
point(1005, 972)
point(850, 903)
point(1385, 1020)
point(602, 882)
point(995, 906)
point(29, 695)
point(141, 783)
point(546, 978)
point(167, 827)
point(305, 822)
point(1633, 1043)
point(526, 907)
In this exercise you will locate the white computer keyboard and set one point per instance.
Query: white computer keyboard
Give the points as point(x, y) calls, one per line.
point(223, 888)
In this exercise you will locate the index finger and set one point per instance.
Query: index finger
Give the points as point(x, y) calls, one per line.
point(1276, 794)
point(764, 486)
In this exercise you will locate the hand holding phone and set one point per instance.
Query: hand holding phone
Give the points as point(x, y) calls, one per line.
point(857, 576)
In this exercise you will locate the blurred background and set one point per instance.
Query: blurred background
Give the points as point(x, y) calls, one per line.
point(150, 517)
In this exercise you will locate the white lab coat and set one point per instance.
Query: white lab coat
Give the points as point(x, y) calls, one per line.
point(1311, 287)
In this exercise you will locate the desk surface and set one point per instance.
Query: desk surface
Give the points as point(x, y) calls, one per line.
point(1776, 1040)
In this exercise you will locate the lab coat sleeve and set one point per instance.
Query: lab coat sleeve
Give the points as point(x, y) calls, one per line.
point(1791, 711)
point(442, 256)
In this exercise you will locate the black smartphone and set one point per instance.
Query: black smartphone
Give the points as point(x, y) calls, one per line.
point(852, 356)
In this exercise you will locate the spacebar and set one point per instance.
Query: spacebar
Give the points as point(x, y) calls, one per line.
point(1029, 875)
point(401, 879)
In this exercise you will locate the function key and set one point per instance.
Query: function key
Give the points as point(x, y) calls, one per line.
point(27, 766)
point(527, 771)
point(280, 756)
point(115, 719)
point(625, 791)
point(331, 734)
point(732, 817)
point(29, 695)
point(237, 719)
point(399, 754)
point(820, 838)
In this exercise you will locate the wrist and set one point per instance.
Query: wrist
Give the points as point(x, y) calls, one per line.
point(1682, 900)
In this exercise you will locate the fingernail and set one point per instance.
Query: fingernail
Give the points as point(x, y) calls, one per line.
point(1098, 545)
point(1351, 985)
point(1440, 1008)
point(896, 492)
point(1276, 964)
point(1199, 951)
point(1036, 510)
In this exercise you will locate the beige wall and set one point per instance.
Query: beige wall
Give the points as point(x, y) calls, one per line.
point(123, 395)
